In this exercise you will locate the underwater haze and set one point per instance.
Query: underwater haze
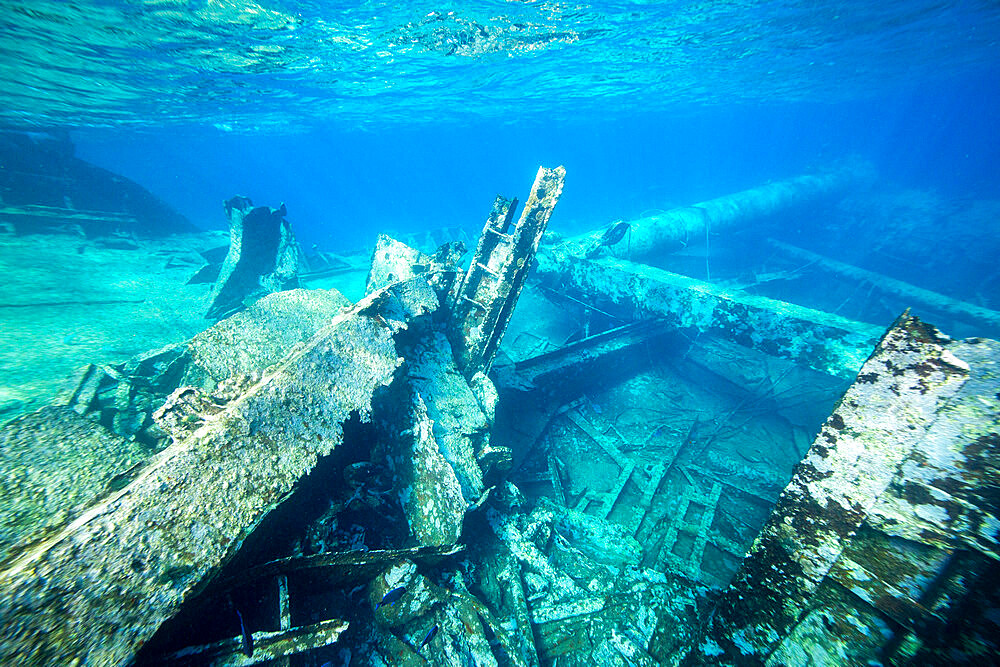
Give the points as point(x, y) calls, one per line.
point(510, 333)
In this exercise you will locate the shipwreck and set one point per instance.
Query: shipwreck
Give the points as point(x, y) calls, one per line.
point(559, 452)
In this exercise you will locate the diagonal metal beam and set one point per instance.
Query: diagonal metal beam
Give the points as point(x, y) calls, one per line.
point(822, 341)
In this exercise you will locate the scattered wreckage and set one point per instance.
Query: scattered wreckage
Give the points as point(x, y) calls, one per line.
point(380, 483)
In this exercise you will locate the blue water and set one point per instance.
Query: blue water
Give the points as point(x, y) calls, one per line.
point(368, 117)
point(381, 116)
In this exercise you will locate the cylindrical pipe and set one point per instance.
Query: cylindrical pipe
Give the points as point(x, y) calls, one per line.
point(665, 231)
point(924, 298)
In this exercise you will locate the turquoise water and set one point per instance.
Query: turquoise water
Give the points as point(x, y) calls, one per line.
point(283, 66)
point(649, 104)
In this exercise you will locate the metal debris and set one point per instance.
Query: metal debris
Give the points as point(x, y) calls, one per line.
point(819, 340)
point(128, 563)
point(268, 646)
point(650, 492)
point(918, 296)
point(263, 257)
point(896, 485)
point(499, 268)
point(675, 228)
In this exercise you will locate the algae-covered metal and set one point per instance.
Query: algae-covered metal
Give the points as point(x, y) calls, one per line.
point(267, 646)
point(55, 463)
point(263, 257)
point(124, 396)
point(503, 260)
point(98, 589)
point(820, 340)
point(916, 296)
point(670, 230)
point(875, 547)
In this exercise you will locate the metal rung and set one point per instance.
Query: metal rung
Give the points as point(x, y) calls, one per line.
point(506, 237)
point(488, 270)
point(473, 301)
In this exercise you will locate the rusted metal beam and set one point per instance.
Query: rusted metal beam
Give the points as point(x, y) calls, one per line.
point(503, 259)
point(573, 362)
point(342, 565)
point(822, 341)
point(913, 295)
point(267, 647)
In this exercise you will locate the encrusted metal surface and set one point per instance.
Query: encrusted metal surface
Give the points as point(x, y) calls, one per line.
point(902, 475)
point(263, 257)
point(267, 646)
point(503, 259)
point(820, 340)
point(55, 463)
point(100, 588)
point(393, 261)
point(670, 230)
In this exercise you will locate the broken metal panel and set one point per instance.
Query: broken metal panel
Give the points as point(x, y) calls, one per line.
point(603, 441)
point(347, 566)
point(801, 395)
point(677, 227)
point(263, 257)
point(559, 586)
point(901, 478)
point(619, 649)
point(221, 361)
point(100, 588)
point(819, 340)
point(696, 532)
point(589, 601)
point(629, 449)
point(656, 472)
point(486, 298)
point(513, 652)
point(537, 389)
point(503, 591)
point(260, 336)
point(393, 261)
point(432, 624)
